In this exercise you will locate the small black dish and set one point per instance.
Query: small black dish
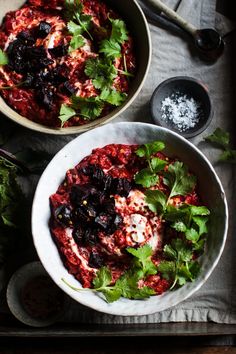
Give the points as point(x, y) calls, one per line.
point(190, 106)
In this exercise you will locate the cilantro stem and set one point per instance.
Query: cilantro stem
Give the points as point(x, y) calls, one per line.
point(12, 87)
point(77, 289)
point(124, 72)
point(82, 25)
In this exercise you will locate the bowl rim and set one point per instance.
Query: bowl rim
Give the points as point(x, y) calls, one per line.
point(10, 113)
point(194, 81)
point(112, 309)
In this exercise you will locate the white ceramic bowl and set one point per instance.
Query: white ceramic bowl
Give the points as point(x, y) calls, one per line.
point(133, 15)
point(209, 187)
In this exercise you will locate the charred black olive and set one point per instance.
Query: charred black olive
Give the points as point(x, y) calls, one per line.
point(81, 192)
point(58, 51)
point(103, 220)
point(26, 37)
point(63, 215)
point(78, 234)
point(45, 96)
point(68, 88)
point(43, 29)
point(90, 237)
point(95, 260)
point(121, 186)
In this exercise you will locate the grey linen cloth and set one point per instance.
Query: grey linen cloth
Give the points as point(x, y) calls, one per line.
point(172, 56)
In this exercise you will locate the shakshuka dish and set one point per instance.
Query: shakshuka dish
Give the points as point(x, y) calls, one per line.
point(128, 222)
point(65, 62)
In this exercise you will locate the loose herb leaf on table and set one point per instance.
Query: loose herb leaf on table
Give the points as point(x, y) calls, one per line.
point(221, 139)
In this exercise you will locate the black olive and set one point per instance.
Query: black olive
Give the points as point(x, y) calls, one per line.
point(90, 237)
point(116, 223)
point(98, 175)
point(95, 260)
point(26, 37)
point(43, 29)
point(45, 96)
point(63, 215)
point(78, 234)
point(68, 88)
point(81, 192)
point(103, 220)
point(58, 51)
point(121, 186)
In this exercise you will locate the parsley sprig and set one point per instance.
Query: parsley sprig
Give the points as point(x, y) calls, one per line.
point(179, 266)
point(78, 23)
point(127, 285)
point(189, 221)
point(148, 177)
point(221, 139)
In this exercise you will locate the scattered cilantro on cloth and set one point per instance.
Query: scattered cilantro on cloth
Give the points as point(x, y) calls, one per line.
point(221, 139)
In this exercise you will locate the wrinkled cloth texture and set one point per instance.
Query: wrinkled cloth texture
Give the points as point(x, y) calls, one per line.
point(172, 56)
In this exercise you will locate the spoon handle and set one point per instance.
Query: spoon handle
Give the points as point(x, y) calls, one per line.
point(188, 27)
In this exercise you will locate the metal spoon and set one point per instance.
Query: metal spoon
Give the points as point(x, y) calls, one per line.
point(208, 41)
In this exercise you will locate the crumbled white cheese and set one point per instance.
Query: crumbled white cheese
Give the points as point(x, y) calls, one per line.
point(137, 227)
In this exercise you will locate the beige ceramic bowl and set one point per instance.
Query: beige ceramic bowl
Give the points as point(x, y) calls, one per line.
point(135, 19)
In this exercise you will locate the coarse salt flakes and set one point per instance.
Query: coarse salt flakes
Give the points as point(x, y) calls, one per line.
point(182, 111)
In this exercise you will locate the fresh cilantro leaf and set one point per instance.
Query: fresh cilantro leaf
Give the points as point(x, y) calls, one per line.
point(102, 72)
point(175, 214)
point(194, 268)
point(71, 7)
point(157, 164)
point(201, 222)
point(103, 278)
point(110, 48)
point(179, 226)
point(66, 112)
point(183, 250)
point(74, 28)
point(170, 252)
point(89, 107)
point(199, 246)
point(77, 41)
point(219, 137)
point(119, 31)
point(167, 268)
point(3, 58)
point(147, 150)
point(156, 201)
point(199, 210)
point(143, 255)
point(192, 235)
point(178, 180)
point(146, 178)
point(228, 156)
point(113, 97)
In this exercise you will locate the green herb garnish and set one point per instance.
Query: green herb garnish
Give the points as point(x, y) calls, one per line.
point(148, 177)
point(179, 266)
point(221, 139)
point(3, 58)
point(127, 284)
point(66, 112)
